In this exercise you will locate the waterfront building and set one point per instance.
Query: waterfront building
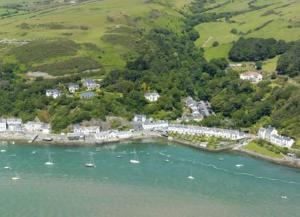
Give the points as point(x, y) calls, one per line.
point(73, 87)
point(113, 134)
point(3, 125)
point(251, 76)
point(86, 130)
point(139, 118)
point(271, 135)
point(14, 124)
point(152, 96)
point(87, 95)
point(90, 84)
point(206, 131)
point(54, 93)
point(155, 126)
point(37, 127)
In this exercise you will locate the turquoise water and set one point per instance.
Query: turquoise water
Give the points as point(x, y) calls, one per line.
point(154, 187)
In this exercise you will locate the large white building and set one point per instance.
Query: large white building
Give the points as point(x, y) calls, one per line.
point(152, 96)
point(206, 131)
point(271, 135)
point(253, 77)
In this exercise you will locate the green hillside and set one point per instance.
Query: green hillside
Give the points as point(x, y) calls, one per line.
point(109, 25)
point(277, 19)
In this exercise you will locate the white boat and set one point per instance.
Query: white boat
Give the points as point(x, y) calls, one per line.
point(239, 165)
point(191, 177)
point(135, 158)
point(167, 160)
point(50, 161)
point(90, 164)
point(7, 167)
point(2, 150)
point(118, 156)
point(284, 197)
point(15, 178)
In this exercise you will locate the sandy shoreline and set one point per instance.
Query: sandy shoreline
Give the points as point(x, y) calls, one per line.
point(61, 140)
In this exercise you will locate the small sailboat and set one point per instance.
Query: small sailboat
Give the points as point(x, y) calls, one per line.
point(2, 150)
point(91, 163)
point(284, 197)
point(7, 167)
point(50, 161)
point(191, 177)
point(16, 177)
point(135, 159)
point(239, 165)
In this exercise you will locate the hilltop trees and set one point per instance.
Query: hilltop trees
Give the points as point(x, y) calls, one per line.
point(256, 49)
point(289, 63)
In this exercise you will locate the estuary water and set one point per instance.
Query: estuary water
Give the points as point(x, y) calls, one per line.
point(219, 184)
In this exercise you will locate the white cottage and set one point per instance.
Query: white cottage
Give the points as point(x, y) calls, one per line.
point(139, 118)
point(90, 84)
point(73, 87)
point(152, 96)
point(54, 93)
point(253, 77)
point(271, 135)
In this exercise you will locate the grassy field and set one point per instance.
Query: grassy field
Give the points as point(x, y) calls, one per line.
point(278, 19)
point(103, 23)
point(253, 146)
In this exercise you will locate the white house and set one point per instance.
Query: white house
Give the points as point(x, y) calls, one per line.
point(86, 130)
point(73, 87)
point(253, 77)
point(3, 125)
point(157, 125)
point(35, 127)
point(139, 118)
point(14, 124)
point(271, 135)
point(54, 93)
point(152, 96)
point(90, 84)
point(113, 134)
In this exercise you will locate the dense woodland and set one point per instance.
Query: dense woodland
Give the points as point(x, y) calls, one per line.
point(166, 62)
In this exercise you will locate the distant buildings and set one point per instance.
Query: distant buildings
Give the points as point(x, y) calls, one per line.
point(206, 131)
point(90, 84)
point(54, 93)
point(87, 95)
point(113, 134)
point(14, 124)
point(37, 127)
point(199, 109)
point(155, 125)
point(86, 130)
point(152, 96)
point(73, 87)
point(253, 77)
point(3, 125)
point(271, 135)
